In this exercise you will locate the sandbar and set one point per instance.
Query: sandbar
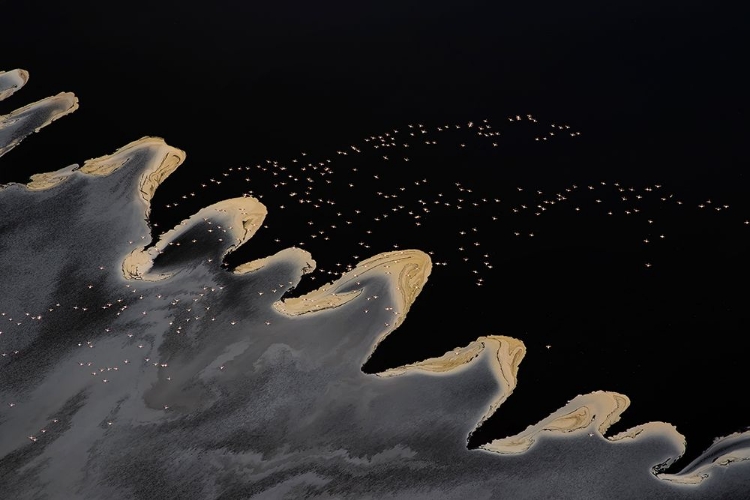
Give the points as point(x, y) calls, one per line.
point(163, 160)
point(595, 411)
point(11, 81)
point(242, 217)
point(407, 269)
point(22, 122)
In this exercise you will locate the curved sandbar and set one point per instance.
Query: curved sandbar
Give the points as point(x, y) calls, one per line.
point(48, 180)
point(593, 411)
point(591, 414)
point(449, 361)
point(301, 257)
point(163, 160)
point(31, 118)
point(505, 356)
point(242, 217)
point(723, 452)
point(11, 81)
point(407, 269)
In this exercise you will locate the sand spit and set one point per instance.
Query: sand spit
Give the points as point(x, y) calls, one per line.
point(723, 452)
point(507, 354)
point(504, 355)
point(317, 301)
point(48, 180)
point(302, 258)
point(163, 160)
point(19, 124)
point(11, 81)
point(240, 217)
point(588, 413)
point(591, 414)
point(449, 361)
point(408, 270)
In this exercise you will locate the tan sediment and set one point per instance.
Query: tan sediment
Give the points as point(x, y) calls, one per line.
point(409, 267)
point(506, 354)
point(151, 180)
point(575, 420)
point(652, 428)
point(297, 306)
point(595, 411)
point(688, 480)
point(48, 180)
point(137, 264)
point(59, 105)
point(243, 217)
point(246, 217)
point(301, 257)
point(165, 160)
point(509, 352)
point(736, 450)
point(11, 81)
point(447, 362)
